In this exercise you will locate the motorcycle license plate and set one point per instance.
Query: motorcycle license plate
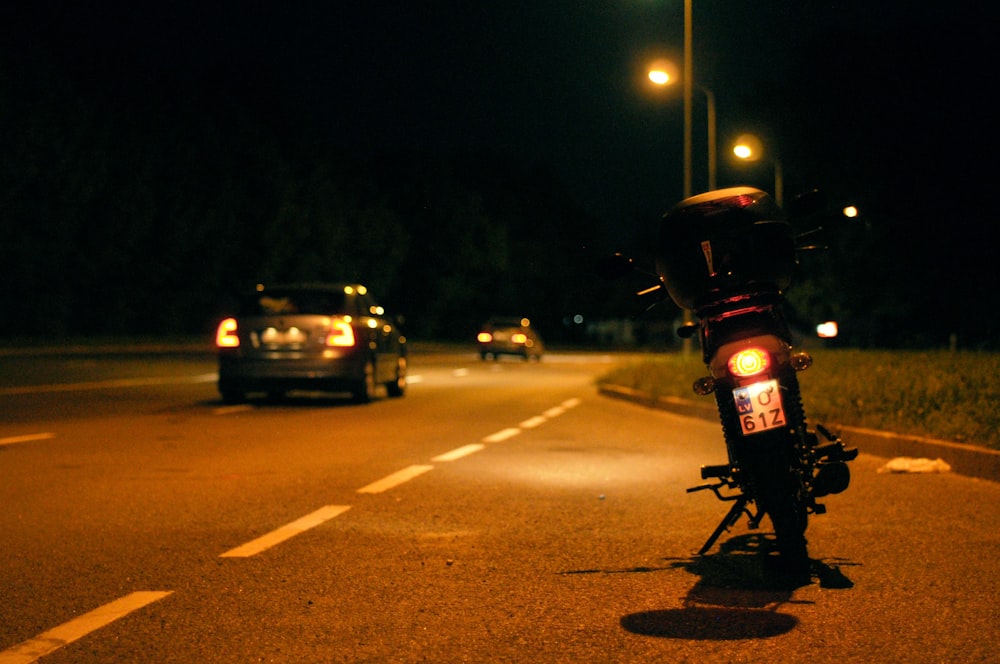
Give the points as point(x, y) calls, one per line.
point(759, 407)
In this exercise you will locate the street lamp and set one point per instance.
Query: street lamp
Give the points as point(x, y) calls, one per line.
point(688, 91)
point(749, 148)
point(688, 85)
point(661, 74)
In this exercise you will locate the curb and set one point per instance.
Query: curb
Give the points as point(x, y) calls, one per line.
point(968, 460)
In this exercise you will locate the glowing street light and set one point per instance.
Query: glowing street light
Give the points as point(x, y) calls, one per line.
point(749, 148)
point(659, 76)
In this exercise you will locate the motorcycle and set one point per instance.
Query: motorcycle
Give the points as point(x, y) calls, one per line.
point(728, 255)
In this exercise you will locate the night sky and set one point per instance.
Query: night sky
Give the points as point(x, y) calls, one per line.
point(885, 105)
point(558, 81)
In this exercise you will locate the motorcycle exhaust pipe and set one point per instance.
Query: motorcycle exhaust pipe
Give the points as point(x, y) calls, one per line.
point(832, 477)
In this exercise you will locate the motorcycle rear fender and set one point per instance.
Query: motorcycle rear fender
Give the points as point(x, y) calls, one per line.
point(779, 350)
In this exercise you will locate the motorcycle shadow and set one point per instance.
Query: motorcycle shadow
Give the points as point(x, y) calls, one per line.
point(750, 562)
point(738, 594)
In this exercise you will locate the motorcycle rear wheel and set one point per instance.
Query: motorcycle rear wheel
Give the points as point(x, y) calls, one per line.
point(777, 494)
point(770, 470)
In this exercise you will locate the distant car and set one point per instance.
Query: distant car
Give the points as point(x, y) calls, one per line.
point(321, 337)
point(509, 336)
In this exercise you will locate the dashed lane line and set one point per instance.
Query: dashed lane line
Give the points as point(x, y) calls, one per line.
point(502, 435)
point(397, 478)
point(53, 639)
point(12, 440)
point(235, 408)
point(460, 452)
point(57, 637)
point(286, 532)
point(105, 384)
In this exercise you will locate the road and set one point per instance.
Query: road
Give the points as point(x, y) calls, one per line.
point(500, 512)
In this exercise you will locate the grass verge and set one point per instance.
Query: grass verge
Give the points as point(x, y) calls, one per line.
point(937, 394)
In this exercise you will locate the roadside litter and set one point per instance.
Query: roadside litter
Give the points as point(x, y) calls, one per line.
point(912, 465)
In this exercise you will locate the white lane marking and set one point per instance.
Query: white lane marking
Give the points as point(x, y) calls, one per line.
point(554, 412)
point(286, 532)
point(459, 452)
point(460, 372)
point(571, 403)
point(532, 422)
point(26, 438)
point(229, 410)
point(397, 478)
point(500, 436)
point(57, 637)
point(578, 359)
point(104, 384)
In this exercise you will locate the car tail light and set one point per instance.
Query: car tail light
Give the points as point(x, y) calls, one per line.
point(484, 337)
point(519, 337)
point(225, 335)
point(749, 362)
point(341, 333)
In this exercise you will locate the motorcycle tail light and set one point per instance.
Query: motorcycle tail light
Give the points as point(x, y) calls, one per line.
point(484, 337)
point(749, 362)
point(340, 334)
point(225, 335)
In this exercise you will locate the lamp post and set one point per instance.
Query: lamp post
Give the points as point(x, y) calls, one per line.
point(749, 148)
point(712, 152)
point(662, 79)
point(688, 86)
point(660, 76)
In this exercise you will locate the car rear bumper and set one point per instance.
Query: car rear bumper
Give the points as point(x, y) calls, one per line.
point(509, 349)
point(503, 349)
point(238, 374)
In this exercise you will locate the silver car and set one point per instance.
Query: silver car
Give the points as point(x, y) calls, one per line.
point(509, 336)
point(319, 337)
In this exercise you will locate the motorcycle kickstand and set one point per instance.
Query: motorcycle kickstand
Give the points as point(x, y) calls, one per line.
point(727, 522)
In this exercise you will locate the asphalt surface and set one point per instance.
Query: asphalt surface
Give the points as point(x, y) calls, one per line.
point(964, 459)
point(502, 508)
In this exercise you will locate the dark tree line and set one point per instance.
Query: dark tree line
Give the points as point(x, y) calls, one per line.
point(890, 121)
point(135, 205)
point(126, 213)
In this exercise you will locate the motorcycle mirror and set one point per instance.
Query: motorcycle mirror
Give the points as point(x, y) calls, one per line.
point(807, 241)
point(806, 204)
point(614, 267)
point(687, 330)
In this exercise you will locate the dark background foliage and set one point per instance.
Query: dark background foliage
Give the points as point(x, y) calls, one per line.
point(154, 163)
point(137, 215)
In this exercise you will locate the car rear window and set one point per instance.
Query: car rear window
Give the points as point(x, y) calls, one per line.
point(275, 303)
point(505, 322)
